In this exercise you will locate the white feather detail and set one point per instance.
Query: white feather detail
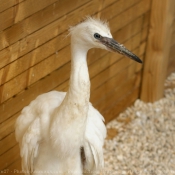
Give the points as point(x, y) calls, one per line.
point(95, 135)
point(29, 146)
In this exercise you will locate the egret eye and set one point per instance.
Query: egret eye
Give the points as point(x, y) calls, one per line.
point(97, 36)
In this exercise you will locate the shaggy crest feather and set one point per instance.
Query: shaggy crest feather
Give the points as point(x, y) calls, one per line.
point(89, 21)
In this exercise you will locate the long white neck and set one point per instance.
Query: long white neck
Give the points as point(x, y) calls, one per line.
point(79, 90)
point(77, 97)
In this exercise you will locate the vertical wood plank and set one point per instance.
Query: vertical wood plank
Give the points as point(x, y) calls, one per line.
point(158, 47)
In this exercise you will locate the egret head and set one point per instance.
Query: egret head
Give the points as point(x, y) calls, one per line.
point(94, 33)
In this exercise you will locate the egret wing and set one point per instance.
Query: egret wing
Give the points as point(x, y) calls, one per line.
point(95, 134)
point(30, 145)
point(33, 125)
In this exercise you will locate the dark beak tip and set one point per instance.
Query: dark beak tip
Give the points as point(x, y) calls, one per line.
point(140, 61)
point(136, 58)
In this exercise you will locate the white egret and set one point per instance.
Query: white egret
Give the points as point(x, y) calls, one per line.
point(62, 133)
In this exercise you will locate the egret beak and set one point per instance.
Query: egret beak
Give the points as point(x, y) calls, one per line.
point(113, 45)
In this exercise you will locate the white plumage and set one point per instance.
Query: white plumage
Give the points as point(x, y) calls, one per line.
point(62, 133)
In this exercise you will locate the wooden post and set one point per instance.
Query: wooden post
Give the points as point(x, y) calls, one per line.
point(157, 52)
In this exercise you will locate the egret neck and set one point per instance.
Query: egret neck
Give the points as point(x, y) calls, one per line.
point(79, 90)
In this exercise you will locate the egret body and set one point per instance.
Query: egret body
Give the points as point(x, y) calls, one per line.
point(62, 133)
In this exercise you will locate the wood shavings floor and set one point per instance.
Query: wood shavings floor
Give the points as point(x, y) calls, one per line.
point(141, 141)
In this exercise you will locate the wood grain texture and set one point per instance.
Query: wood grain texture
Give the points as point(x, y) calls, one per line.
point(15, 168)
point(127, 87)
point(7, 4)
point(7, 143)
point(38, 21)
point(22, 11)
point(115, 94)
point(171, 66)
point(157, 53)
point(120, 5)
point(111, 84)
point(122, 104)
point(127, 16)
point(9, 157)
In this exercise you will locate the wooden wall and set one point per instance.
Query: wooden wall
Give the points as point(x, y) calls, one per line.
point(171, 65)
point(35, 58)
